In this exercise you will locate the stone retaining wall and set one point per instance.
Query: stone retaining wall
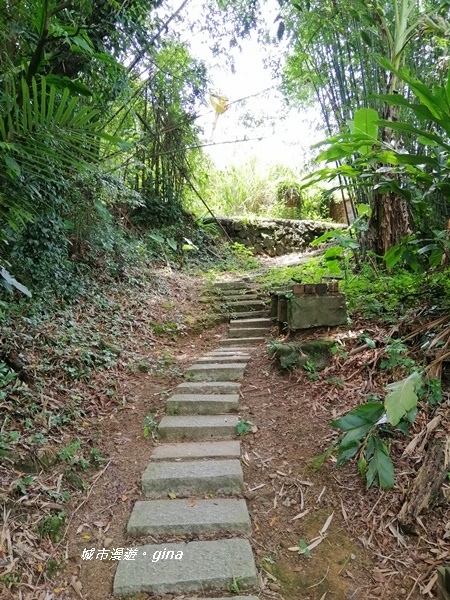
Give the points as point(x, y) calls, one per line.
point(274, 236)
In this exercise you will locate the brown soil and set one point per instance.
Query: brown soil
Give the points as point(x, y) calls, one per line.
point(362, 555)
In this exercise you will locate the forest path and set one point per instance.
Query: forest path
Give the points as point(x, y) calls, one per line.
point(192, 481)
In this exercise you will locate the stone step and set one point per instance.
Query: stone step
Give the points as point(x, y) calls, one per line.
point(199, 450)
point(193, 567)
point(229, 353)
point(240, 332)
point(248, 341)
point(208, 387)
point(192, 478)
point(234, 316)
point(236, 284)
point(227, 598)
point(243, 293)
point(215, 372)
point(239, 350)
point(253, 323)
point(202, 404)
point(246, 305)
point(193, 427)
point(189, 517)
point(240, 298)
point(223, 360)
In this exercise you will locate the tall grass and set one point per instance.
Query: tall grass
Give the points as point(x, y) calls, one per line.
point(252, 190)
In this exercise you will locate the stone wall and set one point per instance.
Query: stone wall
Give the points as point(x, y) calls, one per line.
point(274, 236)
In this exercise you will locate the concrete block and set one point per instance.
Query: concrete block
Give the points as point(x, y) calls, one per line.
point(240, 332)
point(192, 427)
point(248, 314)
point(220, 359)
point(208, 387)
point(230, 285)
point(229, 353)
point(215, 372)
point(197, 450)
point(240, 298)
point(227, 598)
point(282, 314)
point(257, 323)
point(203, 566)
point(246, 305)
point(316, 311)
point(248, 341)
point(185, 517)
point(202, 404)
point(191, 478)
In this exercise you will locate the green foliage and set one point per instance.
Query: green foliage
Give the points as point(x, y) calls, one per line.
point(376, 294)
point(360, 426)
point(7, 376)
point(364, 426)
point(243, 427)
point(150, 427)
point(401, 398)
point(252, 190)
point(73, 455)
point(365, 122)
point(395, 352)
point(310, 271)
point(51, 526)
point(431, 390)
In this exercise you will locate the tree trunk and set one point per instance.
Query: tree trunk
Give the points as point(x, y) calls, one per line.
point(389, 222)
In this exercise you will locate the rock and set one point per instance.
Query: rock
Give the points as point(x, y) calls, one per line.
point(274, 587)
point(250, 495)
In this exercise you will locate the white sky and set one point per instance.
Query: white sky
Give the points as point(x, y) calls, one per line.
point(286, 137)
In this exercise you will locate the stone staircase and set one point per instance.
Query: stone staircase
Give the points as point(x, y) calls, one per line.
point(198, 464)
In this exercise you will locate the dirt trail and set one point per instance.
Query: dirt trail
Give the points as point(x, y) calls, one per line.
point(357, 557)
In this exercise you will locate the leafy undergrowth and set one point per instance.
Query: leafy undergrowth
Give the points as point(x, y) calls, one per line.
point(63, 368)
point(295, 485)
point(371, 292)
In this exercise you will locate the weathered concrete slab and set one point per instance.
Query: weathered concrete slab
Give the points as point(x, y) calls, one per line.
point(197, 450)
point(229, 353)
point(236, 349)
point(240, 298)
point(248, 314)
point(227, 598)
point(186, 517)
point(215, 372)
point(208, 387)
point(308, 311)
point(240, 332)
point(204, 566)
point(202, 404)
point(249, 341)
point(248, 289)
point(257, 323)
point(236, 284)
point(223, 360)
point(203, 427)
point(246, 305)
point(190, 478)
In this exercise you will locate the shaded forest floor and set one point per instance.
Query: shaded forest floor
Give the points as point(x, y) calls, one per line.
point(71, 472)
